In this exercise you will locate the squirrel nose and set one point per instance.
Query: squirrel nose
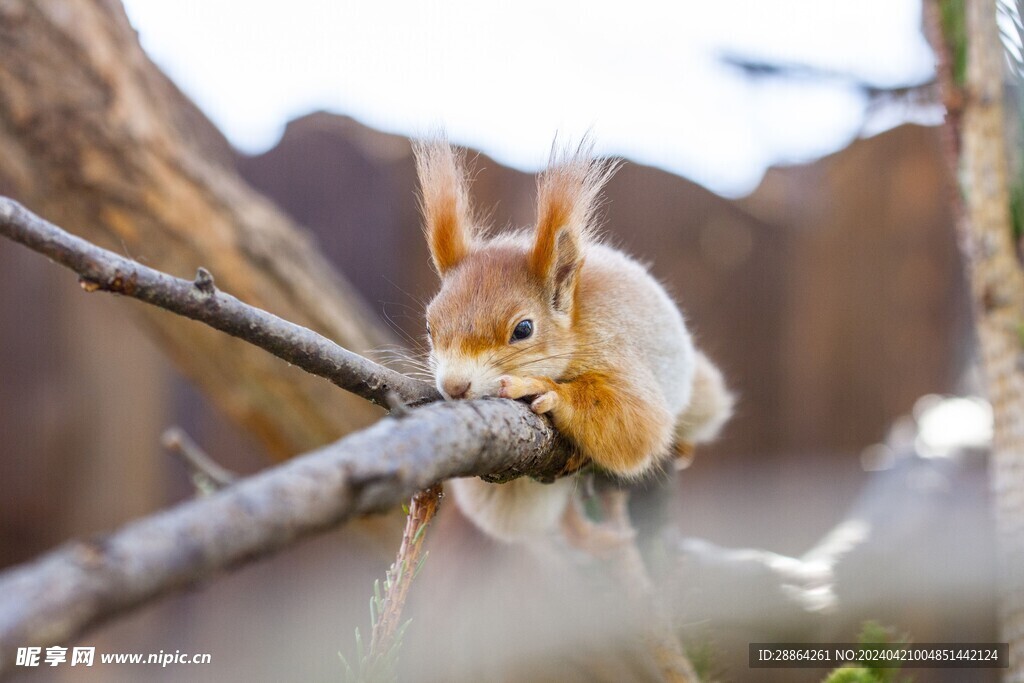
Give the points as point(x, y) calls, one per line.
point(456, 388)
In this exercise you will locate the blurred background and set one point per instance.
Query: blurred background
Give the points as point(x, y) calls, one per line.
point(784, 179)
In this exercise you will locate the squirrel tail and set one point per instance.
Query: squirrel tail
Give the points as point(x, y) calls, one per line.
point(711, 406)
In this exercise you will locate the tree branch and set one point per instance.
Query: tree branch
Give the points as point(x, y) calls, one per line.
point(902, 519)
point(207, 476)
point(201, 300)
point(387, 631)
point(57, 597)
point(997, 282)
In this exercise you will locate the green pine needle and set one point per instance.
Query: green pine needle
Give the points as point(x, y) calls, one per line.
point(360, 657)
point(382, 667)
point(398, 574)
point(419, 565)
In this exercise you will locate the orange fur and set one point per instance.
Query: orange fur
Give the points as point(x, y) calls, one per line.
point(444, 200)
point(483, 301)
point(567, 199)
point(613, 423)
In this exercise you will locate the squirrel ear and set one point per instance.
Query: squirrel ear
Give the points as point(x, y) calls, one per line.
point(444, 201)
point(568, 194)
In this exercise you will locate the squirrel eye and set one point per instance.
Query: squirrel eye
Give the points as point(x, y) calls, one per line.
point(523, 330)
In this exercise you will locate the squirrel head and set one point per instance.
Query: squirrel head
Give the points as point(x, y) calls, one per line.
point(507, 304)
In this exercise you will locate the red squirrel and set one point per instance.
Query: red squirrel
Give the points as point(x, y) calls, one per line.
point(575, 325)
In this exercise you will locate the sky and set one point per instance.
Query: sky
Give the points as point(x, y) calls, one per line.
point(646, 78)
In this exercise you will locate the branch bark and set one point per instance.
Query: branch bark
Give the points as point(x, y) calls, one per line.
point(997, 284)
point(201, 300)
point(57, 597)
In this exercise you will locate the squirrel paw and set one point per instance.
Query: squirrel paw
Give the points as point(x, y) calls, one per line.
point(510, 386)
point(544, 403)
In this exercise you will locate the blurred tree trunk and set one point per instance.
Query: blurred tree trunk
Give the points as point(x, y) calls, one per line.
point(94, 137)
point(998, 286)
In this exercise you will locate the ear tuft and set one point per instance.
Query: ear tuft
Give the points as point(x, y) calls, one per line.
point(444, 201)
point(568, 197)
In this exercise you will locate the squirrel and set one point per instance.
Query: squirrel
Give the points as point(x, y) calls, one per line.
point(576, 326)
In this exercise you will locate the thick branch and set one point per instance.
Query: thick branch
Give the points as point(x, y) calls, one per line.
point(202, 301)
point(55, 598)
point(903, 512)
point(98, 140)
point(997, 284)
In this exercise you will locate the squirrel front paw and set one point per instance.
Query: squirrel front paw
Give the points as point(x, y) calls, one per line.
point(511, 386)
point(544, 403)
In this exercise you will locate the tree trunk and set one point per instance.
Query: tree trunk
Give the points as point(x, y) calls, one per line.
point(998, 286)
point(93, 136)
